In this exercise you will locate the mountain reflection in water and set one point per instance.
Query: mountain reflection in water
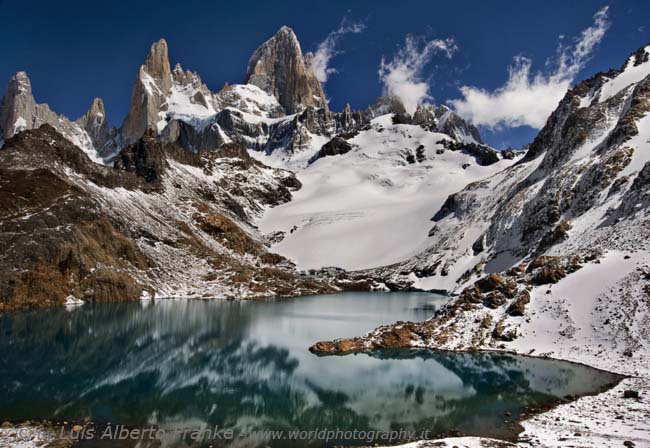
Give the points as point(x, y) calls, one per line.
point(245, 365)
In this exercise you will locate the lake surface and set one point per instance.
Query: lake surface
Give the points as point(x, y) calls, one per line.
point(245, 366)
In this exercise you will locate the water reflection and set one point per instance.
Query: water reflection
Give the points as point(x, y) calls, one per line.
point(245, 365)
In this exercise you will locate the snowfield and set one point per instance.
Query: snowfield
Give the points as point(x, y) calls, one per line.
point(370, 207)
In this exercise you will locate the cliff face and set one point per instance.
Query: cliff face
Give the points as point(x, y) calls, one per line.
point(150, 92)
point(278, 68)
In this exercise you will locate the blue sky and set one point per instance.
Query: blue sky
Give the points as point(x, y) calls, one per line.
point(74, 51)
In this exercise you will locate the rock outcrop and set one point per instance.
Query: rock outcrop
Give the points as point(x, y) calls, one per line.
point(334, 147)
point(278, 68)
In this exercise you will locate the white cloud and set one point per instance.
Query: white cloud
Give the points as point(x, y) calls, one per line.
point(327, 49)
point(526, 99)
point(402, 76)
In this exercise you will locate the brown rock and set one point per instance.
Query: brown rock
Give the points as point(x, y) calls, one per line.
point(490, 282)
point(518, 307)
point(494, 299)
point(500, 333)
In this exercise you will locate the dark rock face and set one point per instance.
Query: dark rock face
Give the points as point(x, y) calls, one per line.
point(334, 147)
point(453, 125)
point(483, 154)
point(148, 158)
point(518, 307)
point(58, 240)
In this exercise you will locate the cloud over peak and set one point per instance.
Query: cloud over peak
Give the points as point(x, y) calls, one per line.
point(327, 49)
point(402, 76)
point(526, 99)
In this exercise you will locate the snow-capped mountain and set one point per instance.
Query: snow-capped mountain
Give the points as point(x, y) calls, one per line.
point(550, 257)
point(551, 254)
point(366, 201)
point(445, 207)
point(175, 185)
point(579, 186)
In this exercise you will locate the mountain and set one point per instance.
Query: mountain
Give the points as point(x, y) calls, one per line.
point(185, 178)
point(20, 111)
point(550, 257)
point(281, 110)
point(163, 221)
point(161, 95)
point(261, 190)
point(170, 203)
point(551, 254)
point(368, 195)
point(279, 68)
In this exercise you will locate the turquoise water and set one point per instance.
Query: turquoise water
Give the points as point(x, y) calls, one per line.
point(245, 366)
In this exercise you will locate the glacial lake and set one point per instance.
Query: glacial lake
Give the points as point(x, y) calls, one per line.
point(245, 366)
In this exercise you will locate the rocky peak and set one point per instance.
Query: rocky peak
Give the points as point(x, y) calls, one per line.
point(157, 65)
point(152, 87)
point(20, 112)
point(592, 105)
point(278, 68)
point(450, 123)
point(314, 83)
point(95, 124)
point(19, 109)
point(388, 105)
point(161, 96)
point(95, 117)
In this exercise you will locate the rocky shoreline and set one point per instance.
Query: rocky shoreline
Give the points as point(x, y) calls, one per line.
point(490, 315)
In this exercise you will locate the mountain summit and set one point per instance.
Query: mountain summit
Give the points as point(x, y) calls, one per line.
point(279, 68)
point(152, 86)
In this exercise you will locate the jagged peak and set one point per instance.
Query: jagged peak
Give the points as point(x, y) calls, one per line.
point(178, 68)
point(279, 68)
point(158, 58)
point(641, 56)
point(96, 107)
point(157, 64)
point(287, 32)
point(19, 83)
point(283, 36)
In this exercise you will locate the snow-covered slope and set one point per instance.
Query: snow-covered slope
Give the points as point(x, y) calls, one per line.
point(372, 206)
point(581, 186)
point(564, 235)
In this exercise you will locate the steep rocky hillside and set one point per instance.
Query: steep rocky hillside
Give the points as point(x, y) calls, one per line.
point(162, 221)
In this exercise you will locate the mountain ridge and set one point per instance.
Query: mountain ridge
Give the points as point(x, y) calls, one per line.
point(180, 107)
